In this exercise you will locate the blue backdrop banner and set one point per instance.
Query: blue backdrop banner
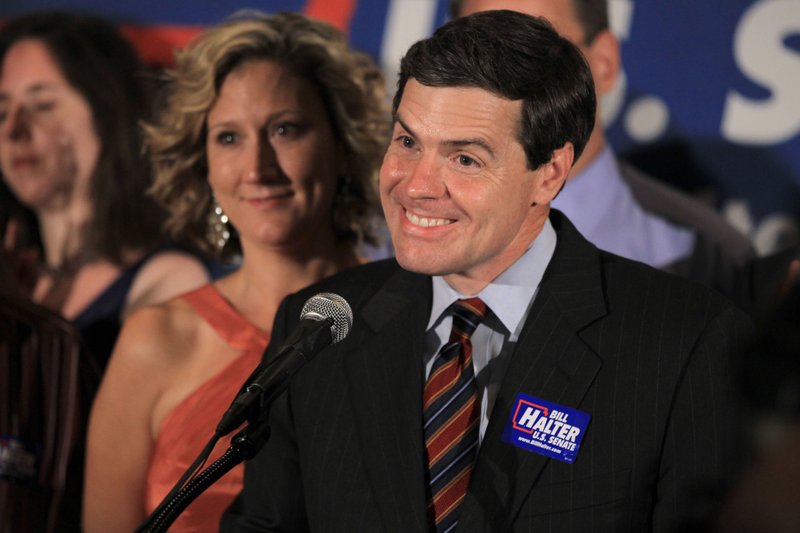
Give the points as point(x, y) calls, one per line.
point(709, 99)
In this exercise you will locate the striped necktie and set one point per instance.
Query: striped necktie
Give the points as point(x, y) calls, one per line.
point(451, 411)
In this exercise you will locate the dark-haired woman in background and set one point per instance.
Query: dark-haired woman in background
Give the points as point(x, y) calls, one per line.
point(72, 96)
point(74, 180)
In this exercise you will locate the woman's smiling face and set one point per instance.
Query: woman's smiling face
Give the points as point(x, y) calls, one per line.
point(273, 158)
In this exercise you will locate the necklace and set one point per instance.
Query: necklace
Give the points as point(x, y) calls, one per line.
point(62, 278)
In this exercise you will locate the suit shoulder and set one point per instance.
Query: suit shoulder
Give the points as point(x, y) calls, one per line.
point(683, 210)
point(641, 286)
point(355, 284)
point(368, 274)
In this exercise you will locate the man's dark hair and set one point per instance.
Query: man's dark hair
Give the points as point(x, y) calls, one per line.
point(592, 15)
point(518, 57)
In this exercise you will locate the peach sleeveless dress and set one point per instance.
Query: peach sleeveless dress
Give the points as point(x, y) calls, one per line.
point(188, 428)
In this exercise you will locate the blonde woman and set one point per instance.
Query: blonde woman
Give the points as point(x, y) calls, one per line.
point(268, 146)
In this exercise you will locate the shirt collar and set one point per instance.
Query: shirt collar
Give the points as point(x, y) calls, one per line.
point(594, 191)
point(510, 294)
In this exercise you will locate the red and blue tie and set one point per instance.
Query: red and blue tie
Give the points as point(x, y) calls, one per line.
point(451, 414)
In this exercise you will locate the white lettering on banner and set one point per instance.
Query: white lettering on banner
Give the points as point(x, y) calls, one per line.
point(773, 233)
point(761, 55)
point(620, 15)
point(407, 21)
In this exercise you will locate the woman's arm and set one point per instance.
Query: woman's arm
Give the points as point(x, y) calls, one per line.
point(120, 438)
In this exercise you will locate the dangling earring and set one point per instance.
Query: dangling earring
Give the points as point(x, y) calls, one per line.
point(218, 232)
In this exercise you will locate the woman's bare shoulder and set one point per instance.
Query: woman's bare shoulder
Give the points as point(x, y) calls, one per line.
point(160, 336)
point(164, 276)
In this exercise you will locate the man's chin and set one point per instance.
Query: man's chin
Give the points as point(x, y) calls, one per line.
point(429, 265)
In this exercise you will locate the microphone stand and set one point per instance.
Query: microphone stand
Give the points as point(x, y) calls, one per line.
point(323, 316)
point(244, 446)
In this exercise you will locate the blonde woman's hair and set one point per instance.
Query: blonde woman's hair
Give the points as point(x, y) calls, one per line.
point(352, 89)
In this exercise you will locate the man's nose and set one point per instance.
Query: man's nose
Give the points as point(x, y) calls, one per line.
point(425, 178)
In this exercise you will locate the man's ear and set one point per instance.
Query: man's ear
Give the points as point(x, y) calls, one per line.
point(605, 60)
point(553, 174)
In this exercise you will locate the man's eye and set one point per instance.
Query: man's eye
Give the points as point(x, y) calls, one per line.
point(466, 161)
point(406, 141)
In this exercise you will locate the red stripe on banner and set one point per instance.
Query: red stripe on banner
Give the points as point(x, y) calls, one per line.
point(156, 44)
point(336, 12)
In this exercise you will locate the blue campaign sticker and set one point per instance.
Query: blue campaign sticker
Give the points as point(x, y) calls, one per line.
point(546, 428)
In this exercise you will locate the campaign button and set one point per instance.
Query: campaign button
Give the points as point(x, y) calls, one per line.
point(545, 428)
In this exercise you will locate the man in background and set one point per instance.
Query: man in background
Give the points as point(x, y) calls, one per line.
point(615, 206)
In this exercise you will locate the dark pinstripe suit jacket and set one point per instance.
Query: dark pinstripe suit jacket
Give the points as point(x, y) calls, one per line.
point(646, 354)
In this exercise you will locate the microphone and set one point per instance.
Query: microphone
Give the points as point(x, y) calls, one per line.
point(325, 319)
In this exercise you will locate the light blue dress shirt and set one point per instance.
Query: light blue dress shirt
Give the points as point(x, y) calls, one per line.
point(510, 297)
point(601, 205)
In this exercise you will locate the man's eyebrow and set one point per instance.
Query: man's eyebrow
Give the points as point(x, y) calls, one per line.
point(456, 143)
point(404, 125)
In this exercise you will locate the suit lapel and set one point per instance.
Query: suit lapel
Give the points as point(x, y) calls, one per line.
point(385, 376)
point(551, 361)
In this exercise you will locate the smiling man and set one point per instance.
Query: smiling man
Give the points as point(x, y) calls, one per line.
point(502, 374)
point(458, 194)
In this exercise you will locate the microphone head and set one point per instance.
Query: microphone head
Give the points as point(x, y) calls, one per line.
point(333, 306)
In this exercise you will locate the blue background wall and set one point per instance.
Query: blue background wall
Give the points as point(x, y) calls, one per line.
point(710, 99)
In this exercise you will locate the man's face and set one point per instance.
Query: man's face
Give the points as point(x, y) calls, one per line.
point(458, 197)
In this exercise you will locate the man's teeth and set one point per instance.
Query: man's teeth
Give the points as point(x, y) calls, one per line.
point(427, 222)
